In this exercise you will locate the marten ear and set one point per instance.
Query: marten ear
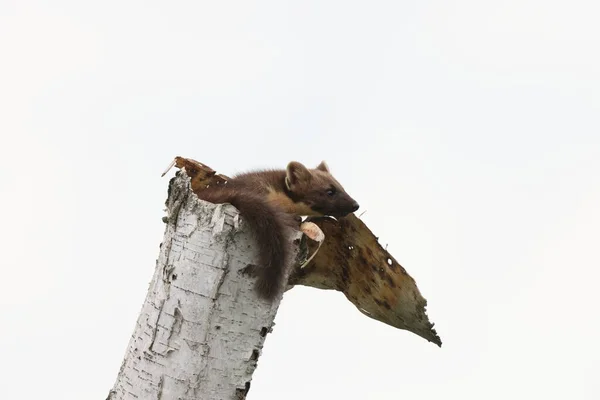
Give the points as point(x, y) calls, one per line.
point(323, 167)
point(296, 173)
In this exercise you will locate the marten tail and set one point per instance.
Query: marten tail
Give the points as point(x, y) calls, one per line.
point(271, 227)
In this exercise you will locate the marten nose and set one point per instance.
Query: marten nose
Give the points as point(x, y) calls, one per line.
point(355, 206)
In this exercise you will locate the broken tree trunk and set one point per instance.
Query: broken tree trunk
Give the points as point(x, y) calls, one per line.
point(201, 328)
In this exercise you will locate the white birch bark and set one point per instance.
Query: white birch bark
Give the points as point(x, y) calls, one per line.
point(201, 328)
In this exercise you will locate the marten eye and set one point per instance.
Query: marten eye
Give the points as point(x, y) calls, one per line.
point(330, 191)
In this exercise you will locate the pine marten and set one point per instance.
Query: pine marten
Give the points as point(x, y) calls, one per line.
point(271, 202)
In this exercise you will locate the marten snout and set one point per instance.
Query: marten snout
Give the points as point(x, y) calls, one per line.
point(341, 210)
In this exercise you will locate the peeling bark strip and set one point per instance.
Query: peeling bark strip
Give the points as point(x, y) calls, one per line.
point(201, 327)
point(353, 262)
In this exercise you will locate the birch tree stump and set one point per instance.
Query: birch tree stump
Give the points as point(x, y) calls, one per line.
point(202, 327)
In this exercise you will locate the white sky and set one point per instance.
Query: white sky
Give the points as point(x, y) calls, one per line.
point(470, 132)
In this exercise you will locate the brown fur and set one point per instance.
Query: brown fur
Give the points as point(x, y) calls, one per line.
point(270, 202)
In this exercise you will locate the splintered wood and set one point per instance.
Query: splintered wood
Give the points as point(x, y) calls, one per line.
point(349, 260)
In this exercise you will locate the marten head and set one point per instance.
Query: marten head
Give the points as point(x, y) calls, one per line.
point(319, 190)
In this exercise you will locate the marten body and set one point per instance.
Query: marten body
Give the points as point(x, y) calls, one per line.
point(270, 202)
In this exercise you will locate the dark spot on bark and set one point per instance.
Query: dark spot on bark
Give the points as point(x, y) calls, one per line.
point(382, 303)
point(217, 327)
point(343, 276)
point(389, 281)
point(254, 355)
point(345, 273)
point(174, 277)
point(263, 331)
point(249, 270)
point(362, 260)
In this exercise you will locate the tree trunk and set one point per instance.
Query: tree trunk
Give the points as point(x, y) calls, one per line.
point(201, 328)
